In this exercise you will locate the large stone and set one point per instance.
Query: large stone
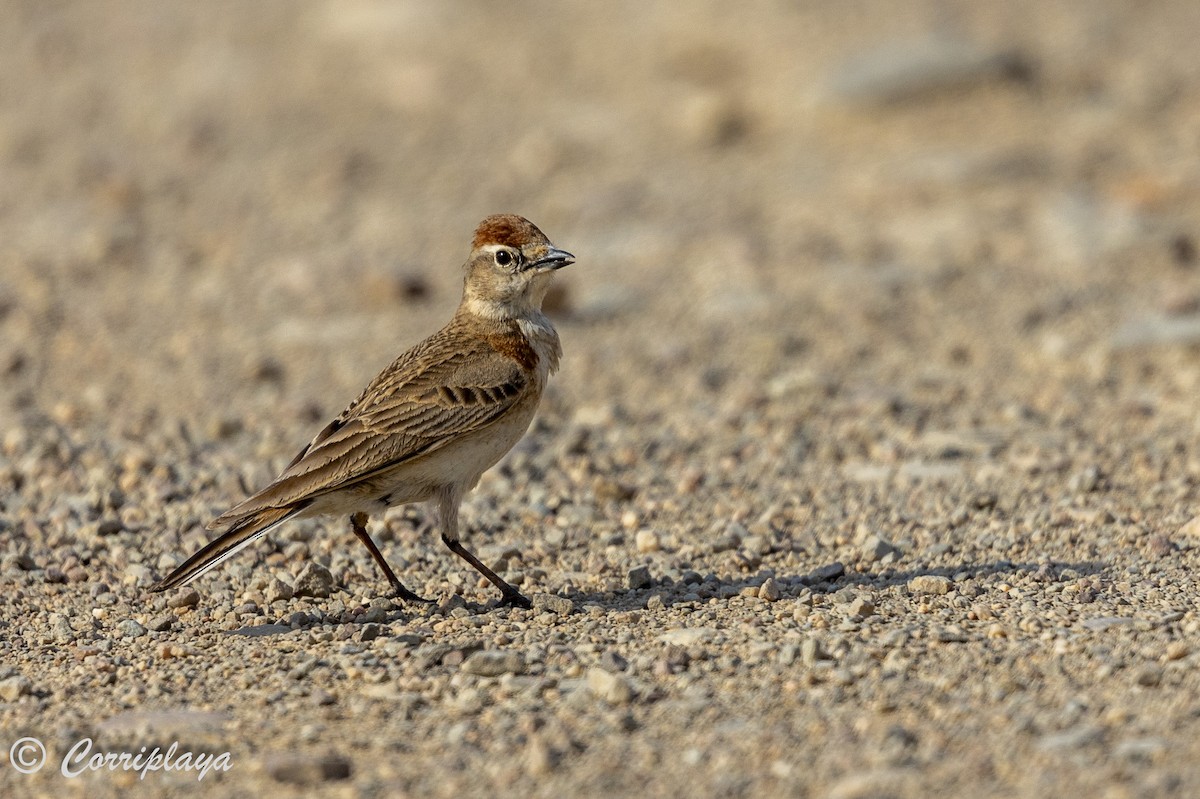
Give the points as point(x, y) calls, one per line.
point(314, 580)
point(549, 603)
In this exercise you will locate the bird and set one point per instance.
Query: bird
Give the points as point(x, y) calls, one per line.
point(430, 424)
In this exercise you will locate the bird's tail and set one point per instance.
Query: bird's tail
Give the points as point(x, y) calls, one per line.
point(243, 532)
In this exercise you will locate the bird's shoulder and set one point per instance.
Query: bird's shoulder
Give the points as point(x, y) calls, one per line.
point(466, 363)
point(464, 354)
point(458, 380)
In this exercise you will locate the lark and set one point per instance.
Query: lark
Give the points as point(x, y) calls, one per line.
point(430, 424)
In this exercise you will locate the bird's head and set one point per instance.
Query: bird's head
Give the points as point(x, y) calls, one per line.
point(510, 267)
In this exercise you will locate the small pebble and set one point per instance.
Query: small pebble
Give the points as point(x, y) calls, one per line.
point(876, 549)
point(314, 580)
point(770, 590)
point(1177, 650)
point(13, 688)
point(110, 527)
point(1191, 529)
point(646, 541)
point(296, 768)
point(375, 614)
point(929, 584)
point(277, 590)
point(639, 577)
point(161, 623)
point(811, 651)
point(493, 663)
point(130, 628)
point(826, 574)
point(1149, 675)
point(539, 758)
point(302, 669)
point(860, 608)
point(187, 597)
point(612, 688)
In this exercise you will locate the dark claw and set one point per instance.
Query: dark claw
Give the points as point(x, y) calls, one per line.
point(516, 599)
point(400, 592)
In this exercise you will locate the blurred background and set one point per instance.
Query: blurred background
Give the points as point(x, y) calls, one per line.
point(233, 213)
point(869, 296)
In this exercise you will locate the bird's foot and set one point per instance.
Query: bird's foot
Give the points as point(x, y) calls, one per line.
point(400, 592)
point(514, 599)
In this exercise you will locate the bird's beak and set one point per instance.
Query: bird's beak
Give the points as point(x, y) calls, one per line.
point(552, 259)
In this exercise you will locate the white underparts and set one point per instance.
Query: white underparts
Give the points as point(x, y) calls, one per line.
point(543, 338)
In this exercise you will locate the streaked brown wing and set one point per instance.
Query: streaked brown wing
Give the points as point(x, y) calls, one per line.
point(390, 424)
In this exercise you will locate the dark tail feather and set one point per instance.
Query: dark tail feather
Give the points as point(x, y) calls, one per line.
point(229, 543)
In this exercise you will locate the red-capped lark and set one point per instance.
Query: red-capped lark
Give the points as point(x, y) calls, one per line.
point(431, 423)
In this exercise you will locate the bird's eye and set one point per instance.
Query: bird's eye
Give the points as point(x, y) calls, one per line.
point(504, 258)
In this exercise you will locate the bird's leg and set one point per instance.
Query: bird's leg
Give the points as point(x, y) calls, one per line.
point(358, 522)
point(448, 507)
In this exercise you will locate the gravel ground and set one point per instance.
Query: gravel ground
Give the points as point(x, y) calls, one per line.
point(872, 469)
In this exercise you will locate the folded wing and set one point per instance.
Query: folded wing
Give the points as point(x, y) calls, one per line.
point(404, 414)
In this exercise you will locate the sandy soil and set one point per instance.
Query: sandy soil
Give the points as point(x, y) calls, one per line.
point(868, 472)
